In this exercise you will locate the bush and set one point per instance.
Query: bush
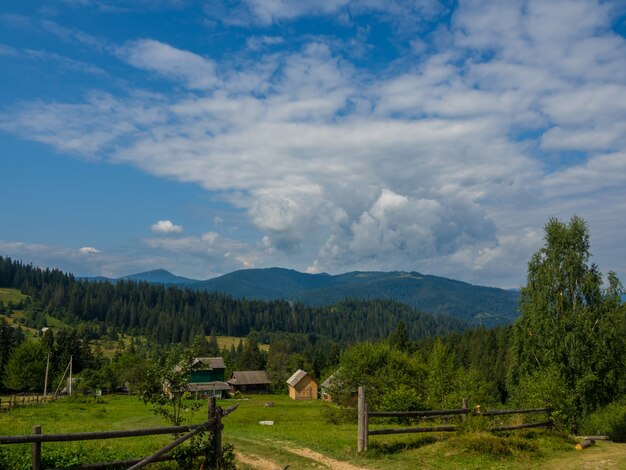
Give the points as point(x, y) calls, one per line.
point(339, 415)
point(610, 420)
point(545, 387)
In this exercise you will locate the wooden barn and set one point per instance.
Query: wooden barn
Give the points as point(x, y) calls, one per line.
point(250, 381)
point(302, 386)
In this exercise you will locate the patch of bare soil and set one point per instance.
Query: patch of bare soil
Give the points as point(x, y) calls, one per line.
point(262, 463)
point(603, 456)
point(259, 463)
point(324, 460)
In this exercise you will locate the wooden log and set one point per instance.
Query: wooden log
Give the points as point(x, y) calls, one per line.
point(584, 444)
point(383, 432)
point(601, 437)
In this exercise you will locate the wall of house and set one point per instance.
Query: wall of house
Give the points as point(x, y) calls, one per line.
point(202, 376)
point(306, 389)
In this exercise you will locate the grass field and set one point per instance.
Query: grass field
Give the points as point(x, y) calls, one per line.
point(301, 437)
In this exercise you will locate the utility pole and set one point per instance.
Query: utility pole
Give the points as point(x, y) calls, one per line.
point(45, 384)
point(69, 388)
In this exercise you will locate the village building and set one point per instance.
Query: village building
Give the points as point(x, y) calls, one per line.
point(325, 387)
point(207, 377)
point(302, 386)
point(250, 381)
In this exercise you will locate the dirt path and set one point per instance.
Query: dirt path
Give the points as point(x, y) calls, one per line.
point(320, 458)
point(259, 463)
point(603, 456)
point(262, 463)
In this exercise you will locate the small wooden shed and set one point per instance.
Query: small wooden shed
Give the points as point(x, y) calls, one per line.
point(302, 386)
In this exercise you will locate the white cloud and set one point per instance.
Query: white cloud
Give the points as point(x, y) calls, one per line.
point(195, 71)
point(448, 159)
point(89, 250)
point(259, 42)
point(166, 227)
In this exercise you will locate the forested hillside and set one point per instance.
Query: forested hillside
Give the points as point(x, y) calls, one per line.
point(167, 314)
point(476, 305)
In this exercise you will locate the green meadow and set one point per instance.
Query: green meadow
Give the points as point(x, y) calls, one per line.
point(298, 428)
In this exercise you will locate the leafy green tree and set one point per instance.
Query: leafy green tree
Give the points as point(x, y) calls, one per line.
point(383, 370)
point(441, 376)
point(26, 368)
point(569, 321)
point(165, 387)
point(8, 342)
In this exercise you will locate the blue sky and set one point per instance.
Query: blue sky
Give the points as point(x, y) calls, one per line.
point(205, 137)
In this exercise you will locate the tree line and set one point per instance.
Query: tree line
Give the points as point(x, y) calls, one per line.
point(566, 350)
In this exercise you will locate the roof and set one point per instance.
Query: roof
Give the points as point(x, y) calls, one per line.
point(208, 386)
point(296, 377)
point(329, 381)
point(211, 362)
point(249, 377)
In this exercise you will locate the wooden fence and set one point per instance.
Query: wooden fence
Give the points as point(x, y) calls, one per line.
point(213, 424)
point(364, 414)
point(22, 400)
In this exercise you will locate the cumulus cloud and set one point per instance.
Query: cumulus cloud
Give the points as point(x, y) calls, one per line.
point(166, 227)
point(443, 160)
point(209, 251)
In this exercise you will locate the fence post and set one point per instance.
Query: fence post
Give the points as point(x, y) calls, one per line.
point(216, 442)
point(464, 406)
point(218, 438)
point(36, 450)
point(363, 421)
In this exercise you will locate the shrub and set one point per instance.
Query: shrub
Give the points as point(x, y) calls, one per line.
point(546, 387)
point(339, 415)
point(610, 420)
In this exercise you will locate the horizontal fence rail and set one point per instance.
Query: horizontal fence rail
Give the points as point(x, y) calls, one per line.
point(416, 414)
point(364, 414)
point(97, 435)
point(215, 415)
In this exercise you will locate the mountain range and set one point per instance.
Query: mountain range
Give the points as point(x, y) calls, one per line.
point(477, 305)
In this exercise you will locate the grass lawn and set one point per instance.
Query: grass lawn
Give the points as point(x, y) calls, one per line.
point(298, 426)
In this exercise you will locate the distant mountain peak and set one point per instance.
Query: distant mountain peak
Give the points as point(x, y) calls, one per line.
point(160, 276)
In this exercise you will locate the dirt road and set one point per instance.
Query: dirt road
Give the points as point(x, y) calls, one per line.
point(262, 463)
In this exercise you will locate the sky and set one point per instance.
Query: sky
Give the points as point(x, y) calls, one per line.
point(203, 137)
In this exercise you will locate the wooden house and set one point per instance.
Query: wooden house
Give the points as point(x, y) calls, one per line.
point(325, 388)
point(250, 381)
point(207, 369)
point(302, 386)
point(207, 377)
